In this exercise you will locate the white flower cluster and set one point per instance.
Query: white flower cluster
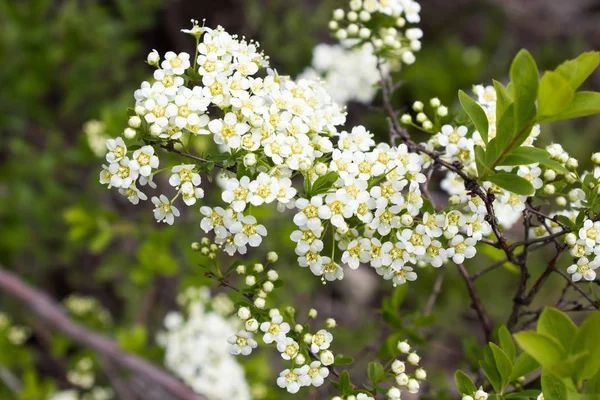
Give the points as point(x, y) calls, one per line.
point(348, 73)
point(411, 381)
point(382, 24)
point(295, 345)
point(196, 351)
point(480, 394)
point(586, 247)
point(96, 393)
point(83, 376)
point(16, 334)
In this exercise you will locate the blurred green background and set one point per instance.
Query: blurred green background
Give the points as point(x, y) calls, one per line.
point(66, 63)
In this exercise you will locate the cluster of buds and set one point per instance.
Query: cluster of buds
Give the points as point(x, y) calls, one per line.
point(421, 120)
point(206, 248)
point(382, 24)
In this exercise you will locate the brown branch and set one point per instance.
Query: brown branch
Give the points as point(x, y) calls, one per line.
point(476, 303)
point(171, 148)
point(437, 288)
point(580, 290)
point(50, 311)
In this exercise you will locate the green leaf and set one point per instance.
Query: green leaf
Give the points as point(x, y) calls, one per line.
point(587, 340)
point(582, 105)
point(525, 394)
point(558, 325)
point(530, 155)
point(524, 365)
point(324, 183)
point(578, 70)
point(464, 384)
point(593, 384)
point(503, 364)
point(503, 99)
point(525, 77)
point(554, 94)
point(542, 347)
point(512, 182)
point(476, 114)
point(571, 366)
point(341, 360)
point(375, 372)
point(507, 343)
point(344, 382)
point(553, 387)
point(480, 160)
point(488, 365)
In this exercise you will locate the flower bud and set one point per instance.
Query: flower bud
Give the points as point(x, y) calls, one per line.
point(139, 110)
point(298, 328)
point(355, 5)
point(353, 29)
point(413, 358)
point(300, 359)
point(240, 269)
point(205, 241)
point(435, 102)
point(427, 125)
point(258, 268)
point(341, 34)
point(398, 367)
point(571, 239)
point(338, 14)
point(406, 119)
point(407, 220)
point(273, 312)
point(572, 163)
point(259, 303)
point(596, 158)
point(268, 286)
point(250, 280)
point(244, 313)
point(481, 395)
point(312, 313)
point(272, 275)
point(326, 357)
point(364, 15)
point(413, 386)
point(364, 33)
point(403, 347)
point(321, 169)
point(262, 293)
point(394, 393)
point(134, 121)
point(418, 106)
point(420, 374)
point(549, 175)
point(442, 111)
point(561, 201)
point(549, 189)
point(290, 310)
point(272, 256)
point(352, 16)
point(307, 338)
point(400, 22)
point(421, 117)
point(467, 398)
point(330, 323)
point(250, 159)
point(214, 247)
point(129, 133)
point(153, 58)
point(454, 200)
point(402, 379)
point(408, 57)
point(252, 325)
point(333, 25)
point(155, 130)
point(196, 246)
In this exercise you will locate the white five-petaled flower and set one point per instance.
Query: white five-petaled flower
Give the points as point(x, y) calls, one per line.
point(321, 341)
point(164, 211)
point(584, 269)
point(241, 343)
point(276, 330)
point(288, 348)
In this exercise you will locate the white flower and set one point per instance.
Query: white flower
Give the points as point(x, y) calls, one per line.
point(264, 189)
point(144, 160)
point(247, 231)
point(116, 150)
point(133, 194)
point(164, 211)
point(326, 357)
point(292, 380)
point(288, 348)
point(190, 193)
point(317, 373)
point(357, 252)
point(236, 193)
point(175, 64)
point(328, 268)
point(461, 248)
point(584, 269)
point(241, 343)
point(228, 131)
point(275, 330)
point(122, 175)
point(184, 173)
point(590, 232)
point(321, 341)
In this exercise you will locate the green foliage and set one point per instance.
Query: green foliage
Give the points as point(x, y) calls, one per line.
point(464, 384)
point(512, 183)
point(476, 114)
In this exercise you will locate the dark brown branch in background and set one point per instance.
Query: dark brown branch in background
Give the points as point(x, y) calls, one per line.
point(51, 312)
point(476, 303)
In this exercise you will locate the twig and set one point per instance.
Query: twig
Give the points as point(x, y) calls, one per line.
point(437, 287)
point(476, 303)
point(580, 290)
point(47, 309)
point(169, 147)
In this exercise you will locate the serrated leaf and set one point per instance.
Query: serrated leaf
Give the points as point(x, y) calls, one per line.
point(558, 325)
point(476, 113)
point(507, 343)
point(554, 94)
point(512, 182)
point(464, 384)
point(542, 347)
point(503, 364)
point(576, 71)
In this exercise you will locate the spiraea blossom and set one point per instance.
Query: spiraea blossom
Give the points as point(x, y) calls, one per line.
point(196, 348)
